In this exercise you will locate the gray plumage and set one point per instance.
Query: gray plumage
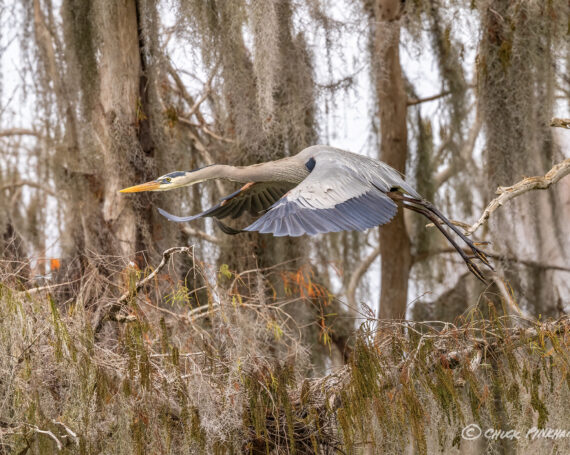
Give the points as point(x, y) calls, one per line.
point(321, 189)
point(343, 191)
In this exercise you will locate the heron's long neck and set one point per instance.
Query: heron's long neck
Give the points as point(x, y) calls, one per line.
point(284, 170)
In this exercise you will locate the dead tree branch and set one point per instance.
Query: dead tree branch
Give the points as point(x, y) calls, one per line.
point(114, 309)
point(560, 123)
point(357, 275)
point(206, 130)
point(203, 97)
point(19, 132)
point(192, 130)
point(30, 183)
point(201, 234)
point(530, 183)
point(413, 102)
point(47, 433)
point(465, 153)
point(498, 257)
point(184, 93)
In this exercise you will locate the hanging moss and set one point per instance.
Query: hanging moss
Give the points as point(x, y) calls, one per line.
point(221, 396)
point(81, 39)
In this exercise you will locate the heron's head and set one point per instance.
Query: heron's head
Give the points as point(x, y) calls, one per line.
point(164, 183)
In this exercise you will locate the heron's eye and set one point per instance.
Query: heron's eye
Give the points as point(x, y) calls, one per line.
point(168, 179)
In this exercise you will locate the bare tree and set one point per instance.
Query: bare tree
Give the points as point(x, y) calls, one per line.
point(517, 87)
point(395, 248)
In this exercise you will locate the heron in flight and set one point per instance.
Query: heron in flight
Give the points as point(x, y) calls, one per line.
point(321, 189)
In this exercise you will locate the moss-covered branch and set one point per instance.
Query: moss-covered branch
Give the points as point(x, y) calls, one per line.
point(236, 378)
point(506, 193)
point(400, 369)
point(112, 311)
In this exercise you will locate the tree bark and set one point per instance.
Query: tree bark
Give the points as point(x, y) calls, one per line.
point(396, 258)
point(115, 118)
point(265, 114)
point(516, 98)
point(114, 144)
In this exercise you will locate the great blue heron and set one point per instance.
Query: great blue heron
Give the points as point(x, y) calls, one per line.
point(321, 189)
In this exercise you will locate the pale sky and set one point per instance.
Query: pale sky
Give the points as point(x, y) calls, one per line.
point(347, 123)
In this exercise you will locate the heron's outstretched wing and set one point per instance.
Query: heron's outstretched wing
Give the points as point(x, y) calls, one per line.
point(336, 196)
point(252, 197)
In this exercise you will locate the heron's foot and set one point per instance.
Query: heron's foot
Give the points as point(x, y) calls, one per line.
point(485, 261)
point(475, 271)
point(479, 254)
point(482, 242)
point(472, 266)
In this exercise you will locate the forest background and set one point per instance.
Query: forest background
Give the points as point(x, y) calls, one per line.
point(122, 332)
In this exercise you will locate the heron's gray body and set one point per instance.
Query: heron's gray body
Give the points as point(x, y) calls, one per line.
point(321, 189)
point(343, 191)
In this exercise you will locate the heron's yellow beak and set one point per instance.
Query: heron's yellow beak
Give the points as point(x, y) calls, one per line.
point(149, 186)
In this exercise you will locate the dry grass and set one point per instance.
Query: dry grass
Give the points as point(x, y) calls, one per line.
point(231, 374)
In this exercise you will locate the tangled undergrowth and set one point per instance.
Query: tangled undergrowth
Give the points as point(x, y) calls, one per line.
point(157, 371)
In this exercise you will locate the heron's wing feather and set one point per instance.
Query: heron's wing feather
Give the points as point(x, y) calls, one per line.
point(336, 196)
point(253, 197)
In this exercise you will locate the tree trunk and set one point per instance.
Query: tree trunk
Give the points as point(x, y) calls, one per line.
point(271, 112)
point(114, 144)
point(394, 241)
point(516, 85)
point(114, 121)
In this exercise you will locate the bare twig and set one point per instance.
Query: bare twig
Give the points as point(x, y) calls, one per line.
point(200, 146)
point(413, 102)
point(198, 143)
point(508, 298)
point(497, 257)
point(207, 91)
point(19, 132)
point(206, 130)
point(357, 275)
point(48, 433)
point(183, 92)
point(465, 153)
point(68, 430)
point(458, 223)
point(112, 312)
point(48, 287)
point(201, 234)
point(560, 123)
point(530, 183)
point(165, 258)
point(209, 132)
point(31, 183)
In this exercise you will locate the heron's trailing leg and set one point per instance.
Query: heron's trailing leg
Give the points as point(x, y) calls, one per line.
point(479, 254)
point(431, 213)
point(470, 264)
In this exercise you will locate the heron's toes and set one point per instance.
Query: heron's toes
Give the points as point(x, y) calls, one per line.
point(483, 258)
point(484, 242)
point(475, 271)
point(480, 254)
